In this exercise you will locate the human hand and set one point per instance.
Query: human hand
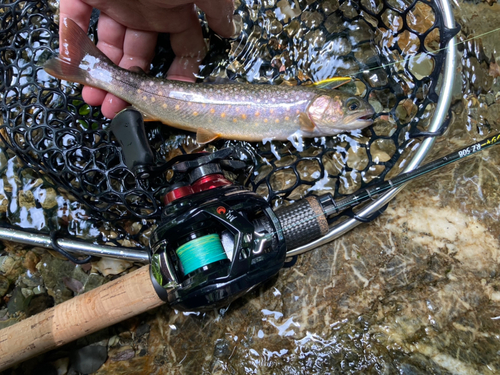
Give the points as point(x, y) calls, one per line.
point(127, 31)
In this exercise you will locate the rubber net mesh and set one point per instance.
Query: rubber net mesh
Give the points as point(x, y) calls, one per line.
point(393, 49)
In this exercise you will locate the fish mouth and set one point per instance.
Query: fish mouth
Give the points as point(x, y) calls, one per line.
point(366, 117)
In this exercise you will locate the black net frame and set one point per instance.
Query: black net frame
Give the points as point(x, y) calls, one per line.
point(46, 123)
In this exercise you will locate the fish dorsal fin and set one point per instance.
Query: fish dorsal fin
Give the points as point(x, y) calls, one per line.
point(205, 136)
point(306, 124)
point(332, 83)
point(137, 69)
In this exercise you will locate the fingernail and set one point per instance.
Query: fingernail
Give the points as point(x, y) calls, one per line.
point(176, 77)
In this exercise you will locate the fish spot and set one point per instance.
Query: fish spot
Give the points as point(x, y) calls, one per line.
point(160, 93)
point(229, 106)
point(203, 105)
point(222, 115)
point(234, 120)
point(277, 121)
point(271, 110)
point(265, 120)
point(243, 116)
point(195, 113)
point(164, 105)
point(212, 110)
point(297, 112)
point(177, 106)
point(170, 85)
point(144, 97)
point(153, 99)
point(257, 113)
point(287, 118)
point(139, 91)
point(237, 109)
point(151, 83)
point(189, 103)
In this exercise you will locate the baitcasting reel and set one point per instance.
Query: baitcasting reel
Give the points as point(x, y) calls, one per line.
point(216, 240)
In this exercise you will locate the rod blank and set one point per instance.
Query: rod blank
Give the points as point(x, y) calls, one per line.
point(75, 247)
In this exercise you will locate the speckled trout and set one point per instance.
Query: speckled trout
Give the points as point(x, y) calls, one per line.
point(232, 111)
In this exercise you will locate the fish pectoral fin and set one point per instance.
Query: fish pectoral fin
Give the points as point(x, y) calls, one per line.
point(306, 124)
point(145, 117)
point(205, 136)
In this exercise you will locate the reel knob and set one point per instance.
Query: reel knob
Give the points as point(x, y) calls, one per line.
point(128, 129)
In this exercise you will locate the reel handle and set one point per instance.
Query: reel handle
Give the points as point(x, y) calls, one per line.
point(128, 129)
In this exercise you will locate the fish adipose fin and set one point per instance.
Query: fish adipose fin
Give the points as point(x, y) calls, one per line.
point(78, 56)
point(205, 136)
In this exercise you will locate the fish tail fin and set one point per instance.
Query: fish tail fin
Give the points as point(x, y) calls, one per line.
point(78, 56)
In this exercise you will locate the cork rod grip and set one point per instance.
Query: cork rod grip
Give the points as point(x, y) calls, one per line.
point(111, 303)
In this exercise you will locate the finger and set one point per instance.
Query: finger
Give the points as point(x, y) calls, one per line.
point(138, 50)
point(189, 48)
point(219, 14)
point(76, 10)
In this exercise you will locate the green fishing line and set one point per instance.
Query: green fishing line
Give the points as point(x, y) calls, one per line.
point(200, 252)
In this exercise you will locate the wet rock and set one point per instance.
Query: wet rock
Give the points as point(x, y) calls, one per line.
point(333, 24)
point(30, 261)
point(142, 329)
point(88, 359)
point(17, 302)
point(61, 365)
point(11, 267)
point(53, 270)
point(72, 284)
point(4, 203)
point(311, 19)
point(39, 303)
point(109, 266)
point(287, 10)
point(222, 349)
point(123, 353)
point(4, 285)
point(26, 199)
point(47, 198)
point(26, 292)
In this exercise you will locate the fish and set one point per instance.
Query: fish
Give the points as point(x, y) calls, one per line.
point(246, 112)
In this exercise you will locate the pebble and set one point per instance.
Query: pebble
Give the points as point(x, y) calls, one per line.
point(4, 285)
point(109, 266)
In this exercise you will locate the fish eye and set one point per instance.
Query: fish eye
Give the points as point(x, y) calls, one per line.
point(352, 104)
